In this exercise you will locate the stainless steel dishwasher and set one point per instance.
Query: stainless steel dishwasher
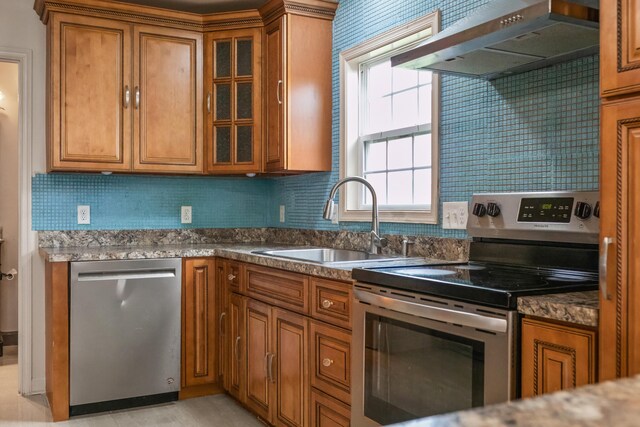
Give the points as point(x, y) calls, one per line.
point(124, 333)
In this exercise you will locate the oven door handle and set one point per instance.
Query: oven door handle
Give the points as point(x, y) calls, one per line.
point(485, 323)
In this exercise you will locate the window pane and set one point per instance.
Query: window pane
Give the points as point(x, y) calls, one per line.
point(423, 187)
point(400, 154)
point(379, 80)
point(425, 104)
point(223, 145)
point(424, 77)
point(223, 59)
point(404, 79)
point(223, 101)
point(379, 116)
point(400, 188)
point(243, 57)
point(405, 109)
point(379, 183)
point(376, 153)
point(422, 150)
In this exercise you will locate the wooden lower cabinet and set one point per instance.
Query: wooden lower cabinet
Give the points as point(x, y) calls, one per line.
point(199, 321)
point(328, 412)
point(235, 377)
point(277, 362)
point(556, 357)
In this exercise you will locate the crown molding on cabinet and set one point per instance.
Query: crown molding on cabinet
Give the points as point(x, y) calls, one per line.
point(186, 20)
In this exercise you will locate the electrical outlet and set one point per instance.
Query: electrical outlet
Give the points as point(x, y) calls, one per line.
point(84, 214)
point(185, 215)
point(281, 213)
point(455, 215)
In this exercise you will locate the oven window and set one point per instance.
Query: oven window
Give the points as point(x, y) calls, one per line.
point(413, 372)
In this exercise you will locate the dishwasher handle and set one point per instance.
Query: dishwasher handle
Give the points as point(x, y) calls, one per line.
point(126, 275)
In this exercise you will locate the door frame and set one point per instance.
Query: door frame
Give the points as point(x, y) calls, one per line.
point(27, 240)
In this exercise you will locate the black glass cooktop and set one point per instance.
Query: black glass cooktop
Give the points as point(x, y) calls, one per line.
point(483, 283)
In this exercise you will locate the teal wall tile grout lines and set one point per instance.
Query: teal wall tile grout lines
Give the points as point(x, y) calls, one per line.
point(529, 132)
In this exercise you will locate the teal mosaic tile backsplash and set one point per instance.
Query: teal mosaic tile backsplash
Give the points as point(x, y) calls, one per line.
point(533, 131)
point(149, 202)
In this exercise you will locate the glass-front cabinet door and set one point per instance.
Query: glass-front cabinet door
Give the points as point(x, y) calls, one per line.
point(233, 101)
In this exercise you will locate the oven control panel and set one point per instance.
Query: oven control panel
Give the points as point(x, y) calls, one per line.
point(560, 216)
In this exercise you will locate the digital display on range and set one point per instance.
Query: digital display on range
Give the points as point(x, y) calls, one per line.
point(546, 209)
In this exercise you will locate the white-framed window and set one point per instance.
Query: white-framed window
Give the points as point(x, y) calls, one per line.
point(389, 123)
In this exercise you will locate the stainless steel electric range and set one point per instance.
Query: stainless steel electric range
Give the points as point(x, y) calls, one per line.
point(432, 339)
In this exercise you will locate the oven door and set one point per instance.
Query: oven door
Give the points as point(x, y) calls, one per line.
point(414, 360)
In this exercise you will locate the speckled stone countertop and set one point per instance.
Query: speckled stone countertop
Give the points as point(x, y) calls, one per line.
point(610, 404)
point(576, 307)
point(239, 252)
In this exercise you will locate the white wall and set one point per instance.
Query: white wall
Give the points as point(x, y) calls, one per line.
point(9, 193)
point(20, 28)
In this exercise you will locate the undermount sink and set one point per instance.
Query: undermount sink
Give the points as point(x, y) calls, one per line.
point(326, 255)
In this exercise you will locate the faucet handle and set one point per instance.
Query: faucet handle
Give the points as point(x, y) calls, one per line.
point(405, 247)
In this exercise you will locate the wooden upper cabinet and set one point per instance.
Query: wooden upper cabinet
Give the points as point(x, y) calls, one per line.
point(89, 126)
point(297, 70)
point(619, 47)
point(556, 357)
point(199, 341)
point(234, 101)
point(167, 98)
point(620, 239)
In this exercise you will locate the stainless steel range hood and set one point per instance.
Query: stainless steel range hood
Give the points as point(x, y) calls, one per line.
point(506, 37)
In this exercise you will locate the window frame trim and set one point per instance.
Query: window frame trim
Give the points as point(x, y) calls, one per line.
point(349, 62)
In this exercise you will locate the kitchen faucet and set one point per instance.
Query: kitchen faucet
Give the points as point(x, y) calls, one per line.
point(377, 242)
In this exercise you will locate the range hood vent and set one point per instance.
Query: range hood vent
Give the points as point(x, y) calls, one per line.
point(506, 37)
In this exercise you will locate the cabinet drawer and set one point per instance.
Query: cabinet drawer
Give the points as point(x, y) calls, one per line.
point(280, 288)
point(331, 360)
point(331, 302)
point(328, 412)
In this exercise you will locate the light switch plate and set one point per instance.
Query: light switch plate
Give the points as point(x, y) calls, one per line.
point(84, 214)
point(185, 215)
point(455, 215)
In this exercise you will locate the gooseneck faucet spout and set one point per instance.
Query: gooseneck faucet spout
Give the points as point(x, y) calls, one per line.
point(377, 242)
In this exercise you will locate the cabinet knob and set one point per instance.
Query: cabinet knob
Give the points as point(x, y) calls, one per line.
point(327, 362)
point(231, 277)
point(327, 303)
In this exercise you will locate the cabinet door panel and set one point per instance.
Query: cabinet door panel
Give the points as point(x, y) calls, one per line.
point(620, 208)
point(328, 412)
point(619, 47)
point(199, 333)
point(234, 126)
point(90, 126)
point(236, 348)
point(168, 100)
point(259, 385)
point(291, 368)
point(276, 99)
point(331, 360)
point(556, 357)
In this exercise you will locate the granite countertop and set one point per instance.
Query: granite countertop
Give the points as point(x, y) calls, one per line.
point(239, 252)
point(611, 404)
point(575, 307)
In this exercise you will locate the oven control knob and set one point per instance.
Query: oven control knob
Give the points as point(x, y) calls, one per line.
point(493, 209)
point(583, 210)
point(596, 210)
point(479, 210)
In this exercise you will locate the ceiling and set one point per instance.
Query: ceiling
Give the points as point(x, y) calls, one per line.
point(202, 6)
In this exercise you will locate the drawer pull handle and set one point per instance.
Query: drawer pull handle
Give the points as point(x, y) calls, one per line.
point(327, 303)
point(327, 362)
point(231, 277)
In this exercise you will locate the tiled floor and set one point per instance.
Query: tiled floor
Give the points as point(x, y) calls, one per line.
point(212, 411)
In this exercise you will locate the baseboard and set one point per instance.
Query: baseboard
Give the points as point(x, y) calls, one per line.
point(38, 386)
point(9, 338)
